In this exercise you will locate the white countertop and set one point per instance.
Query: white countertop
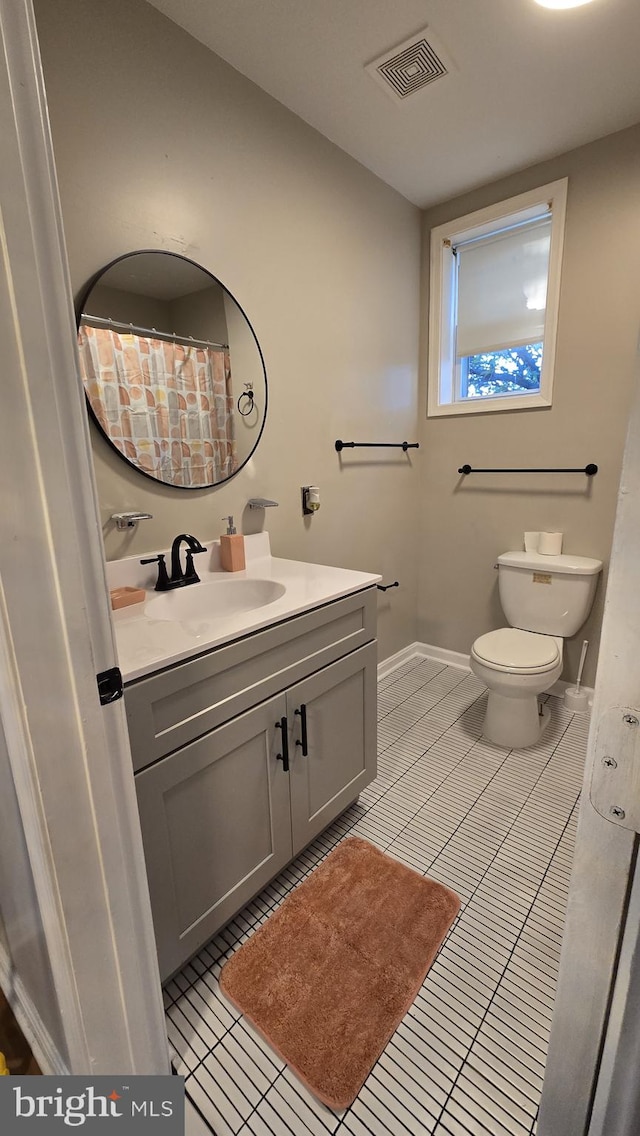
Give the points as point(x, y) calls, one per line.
point(145, 645)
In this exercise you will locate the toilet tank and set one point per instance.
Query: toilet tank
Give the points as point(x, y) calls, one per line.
point(549, 594)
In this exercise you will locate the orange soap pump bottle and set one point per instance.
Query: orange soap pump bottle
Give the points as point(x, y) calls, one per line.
point(232, 548)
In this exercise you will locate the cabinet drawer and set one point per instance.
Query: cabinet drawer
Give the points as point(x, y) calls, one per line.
point(172, 708)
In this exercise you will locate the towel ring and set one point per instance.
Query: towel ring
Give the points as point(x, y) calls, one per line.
point(245, 408)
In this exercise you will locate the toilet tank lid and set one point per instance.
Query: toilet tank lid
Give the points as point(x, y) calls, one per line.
point(538, 562)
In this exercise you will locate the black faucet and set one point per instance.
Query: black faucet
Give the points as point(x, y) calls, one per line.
point(189, 576)
point(179, 579)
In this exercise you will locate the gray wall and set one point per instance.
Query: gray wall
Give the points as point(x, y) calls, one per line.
point(467, 522)
point(202, 313)
point(128, 307)
point(159, 143)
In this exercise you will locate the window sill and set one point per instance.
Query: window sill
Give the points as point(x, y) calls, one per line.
point(489, 405)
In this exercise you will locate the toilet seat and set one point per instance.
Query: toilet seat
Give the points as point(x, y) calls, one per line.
point(517, 652)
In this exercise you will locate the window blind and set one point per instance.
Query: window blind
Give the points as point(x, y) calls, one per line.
point(502, 288)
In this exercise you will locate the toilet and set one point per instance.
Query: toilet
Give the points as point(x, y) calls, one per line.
point(546, 599)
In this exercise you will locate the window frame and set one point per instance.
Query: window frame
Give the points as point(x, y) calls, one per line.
point(442, 301)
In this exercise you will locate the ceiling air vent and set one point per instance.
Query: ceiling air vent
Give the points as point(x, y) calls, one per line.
point(410, 66)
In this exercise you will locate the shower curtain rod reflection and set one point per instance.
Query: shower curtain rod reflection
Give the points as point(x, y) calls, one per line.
point(150, 332)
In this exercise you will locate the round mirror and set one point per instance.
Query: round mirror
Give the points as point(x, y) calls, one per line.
point(172, 370)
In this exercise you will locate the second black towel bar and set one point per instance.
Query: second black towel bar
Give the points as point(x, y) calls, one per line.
point(377, 445)
point(589, 469)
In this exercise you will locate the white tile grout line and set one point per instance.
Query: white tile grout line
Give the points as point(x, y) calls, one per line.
point(454, 1066)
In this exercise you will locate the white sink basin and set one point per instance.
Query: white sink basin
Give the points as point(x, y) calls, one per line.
point(213, 599)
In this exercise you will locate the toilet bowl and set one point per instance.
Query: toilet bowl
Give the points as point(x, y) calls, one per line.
point(545, 599)
point(516, 666)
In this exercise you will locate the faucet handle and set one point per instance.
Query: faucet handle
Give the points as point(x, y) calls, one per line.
point(163, 583)
point(190, 574)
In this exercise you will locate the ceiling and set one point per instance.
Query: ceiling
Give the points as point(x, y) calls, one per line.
point(159, 275)
point(524, 82)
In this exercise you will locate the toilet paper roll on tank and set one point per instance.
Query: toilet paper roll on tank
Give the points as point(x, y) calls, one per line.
point(547, 543)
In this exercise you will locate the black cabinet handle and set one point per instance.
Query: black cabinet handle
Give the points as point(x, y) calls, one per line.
point(284, 756)
point(302, 712)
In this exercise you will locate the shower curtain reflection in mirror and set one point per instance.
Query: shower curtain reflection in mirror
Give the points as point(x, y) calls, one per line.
point(167, 406)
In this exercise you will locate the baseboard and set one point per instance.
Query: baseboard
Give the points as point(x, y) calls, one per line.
point(454, 659)
point(422, 651)
point(29, 1019)
point(443, 655)
point(414, 650)
point(560, 686)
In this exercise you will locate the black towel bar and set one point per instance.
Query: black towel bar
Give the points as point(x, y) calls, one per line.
point(385, 587)
point(590, 470)
point(378, 445)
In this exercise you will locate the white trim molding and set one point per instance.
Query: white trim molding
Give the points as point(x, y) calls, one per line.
point(453, 659)
point(589, 1007)
point(422, 651)
point(393, 662)
point(29, 1020)
point(69, 756)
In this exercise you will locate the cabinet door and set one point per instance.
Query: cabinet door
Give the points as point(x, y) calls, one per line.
point(339, 704)
point(216, 828)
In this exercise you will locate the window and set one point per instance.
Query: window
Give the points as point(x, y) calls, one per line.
point(495, 282)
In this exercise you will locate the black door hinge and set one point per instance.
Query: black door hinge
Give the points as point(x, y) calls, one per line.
point(109, 686)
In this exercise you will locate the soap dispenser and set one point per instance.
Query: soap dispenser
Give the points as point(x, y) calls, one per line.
point(232, 548)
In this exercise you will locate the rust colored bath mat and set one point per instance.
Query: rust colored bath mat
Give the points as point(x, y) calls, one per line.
point(333, 971)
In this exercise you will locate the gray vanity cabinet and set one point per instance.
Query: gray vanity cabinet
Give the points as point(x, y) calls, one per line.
point(339, 705)
point(221, 813)
point(216, 828)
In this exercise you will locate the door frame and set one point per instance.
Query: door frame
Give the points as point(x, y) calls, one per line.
point(616, 1107)
point(604, 865)
point(69, 756)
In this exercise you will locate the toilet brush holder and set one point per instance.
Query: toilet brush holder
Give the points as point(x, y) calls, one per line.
point(576, 700)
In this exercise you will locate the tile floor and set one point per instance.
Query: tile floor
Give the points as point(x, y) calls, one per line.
point(498, 826)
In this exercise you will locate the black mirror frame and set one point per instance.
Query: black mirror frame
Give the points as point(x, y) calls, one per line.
point(80, 304)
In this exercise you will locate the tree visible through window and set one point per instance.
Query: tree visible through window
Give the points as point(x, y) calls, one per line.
point(515, 370)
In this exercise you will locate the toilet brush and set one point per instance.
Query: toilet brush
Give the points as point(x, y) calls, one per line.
point(574, 698)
